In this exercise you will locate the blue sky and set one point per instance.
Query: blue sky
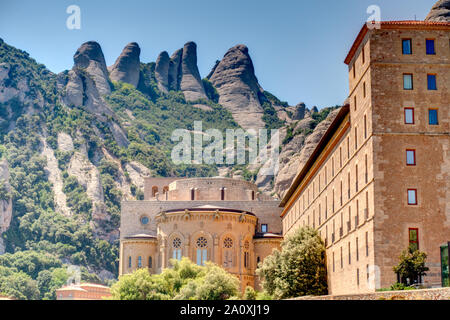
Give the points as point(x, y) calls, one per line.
point(297, 46)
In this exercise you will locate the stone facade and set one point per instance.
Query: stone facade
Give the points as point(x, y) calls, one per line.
point(354, 188)
point(222, 220)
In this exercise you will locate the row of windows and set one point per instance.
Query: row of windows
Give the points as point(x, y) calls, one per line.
point(411, 196)
point(432, 116)
point(349, 252)
point(139, 262)
point(430, 46)
point(222, 194)
point(408, 81)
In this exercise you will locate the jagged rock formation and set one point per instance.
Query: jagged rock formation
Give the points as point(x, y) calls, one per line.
point(180, 72)
point(191, 83)
point(88, 80)
point(162, 71)
point(90, 57)
point(440, 12)
point(175, 70)
point(235, 80)
point(295, 153)
point(127, 66)
point(299, 111)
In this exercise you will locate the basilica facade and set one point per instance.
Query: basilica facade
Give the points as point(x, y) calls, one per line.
point(222, 220)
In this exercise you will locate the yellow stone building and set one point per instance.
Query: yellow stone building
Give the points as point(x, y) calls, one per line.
point(222, 220)
point(379, 180)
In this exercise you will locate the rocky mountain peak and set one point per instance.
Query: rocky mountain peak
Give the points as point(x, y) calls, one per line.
point(89, 51)
point(162, 71)
point(239, 90)
point(127, 66)
point(90, 57)
point(440, 12)
point(191, 83)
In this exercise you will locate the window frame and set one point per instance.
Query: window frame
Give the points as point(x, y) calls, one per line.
point(435, 81)
point(404, 115)
point(414, 157)
point(437, 117)
point(262, 228)
point(417, 237)
point(410, 46)
point(412, 81)
point(434, 46)
point(415, 203)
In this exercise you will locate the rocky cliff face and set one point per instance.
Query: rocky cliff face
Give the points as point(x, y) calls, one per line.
point(295, 153)
point(162, 71)
point(127, 66)
point(180, 72)
point(440, 12)
point(235, 80)
point(90, 57)
point(191, 83)
point(5, 201)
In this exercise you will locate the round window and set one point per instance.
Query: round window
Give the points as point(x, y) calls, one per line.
point(202, 242)
point(176, 243)
point(144, 220)
point(228, 243)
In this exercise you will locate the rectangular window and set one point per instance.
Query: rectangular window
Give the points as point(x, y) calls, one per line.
point(264, 228)
point(356, 138)
point(430, 46)
point(414, 238)
point(357, 249)
point(433, 117)
point(407, 46)
point(367, 244)
point(407, 81)
point(354, 101)
point(363, 54)
point(409, 115)
point(364, 90)
point(365, 127)
point(432, 85)
point(410, 157)
point(349, 254)
point(412, 196)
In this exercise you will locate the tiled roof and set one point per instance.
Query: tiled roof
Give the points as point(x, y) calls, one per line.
point(405, 23)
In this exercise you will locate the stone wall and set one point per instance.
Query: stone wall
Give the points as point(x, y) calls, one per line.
point(425, 294)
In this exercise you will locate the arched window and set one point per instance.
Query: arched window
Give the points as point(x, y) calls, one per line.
point(228, 252)
point(192, 194)
point(129, 262)
point(176, 248)
point(139, 262)
point(246, 254)
point(222, 194)
point(154, 191)
point(202, 251)
point(253, 195)
point(150, 262)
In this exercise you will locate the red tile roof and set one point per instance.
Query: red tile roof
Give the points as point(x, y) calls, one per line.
point(388, 24)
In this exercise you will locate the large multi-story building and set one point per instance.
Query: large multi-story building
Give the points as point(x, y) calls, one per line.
point(378, 180)
point(222, 220)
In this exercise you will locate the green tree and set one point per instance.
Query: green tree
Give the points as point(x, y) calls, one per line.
point(298, 269)
point(185, 280)
point(17, 284)
point(411, 266)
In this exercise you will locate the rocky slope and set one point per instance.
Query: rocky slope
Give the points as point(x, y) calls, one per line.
point(440, 12)
point(79, 142)
point(238, 88)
